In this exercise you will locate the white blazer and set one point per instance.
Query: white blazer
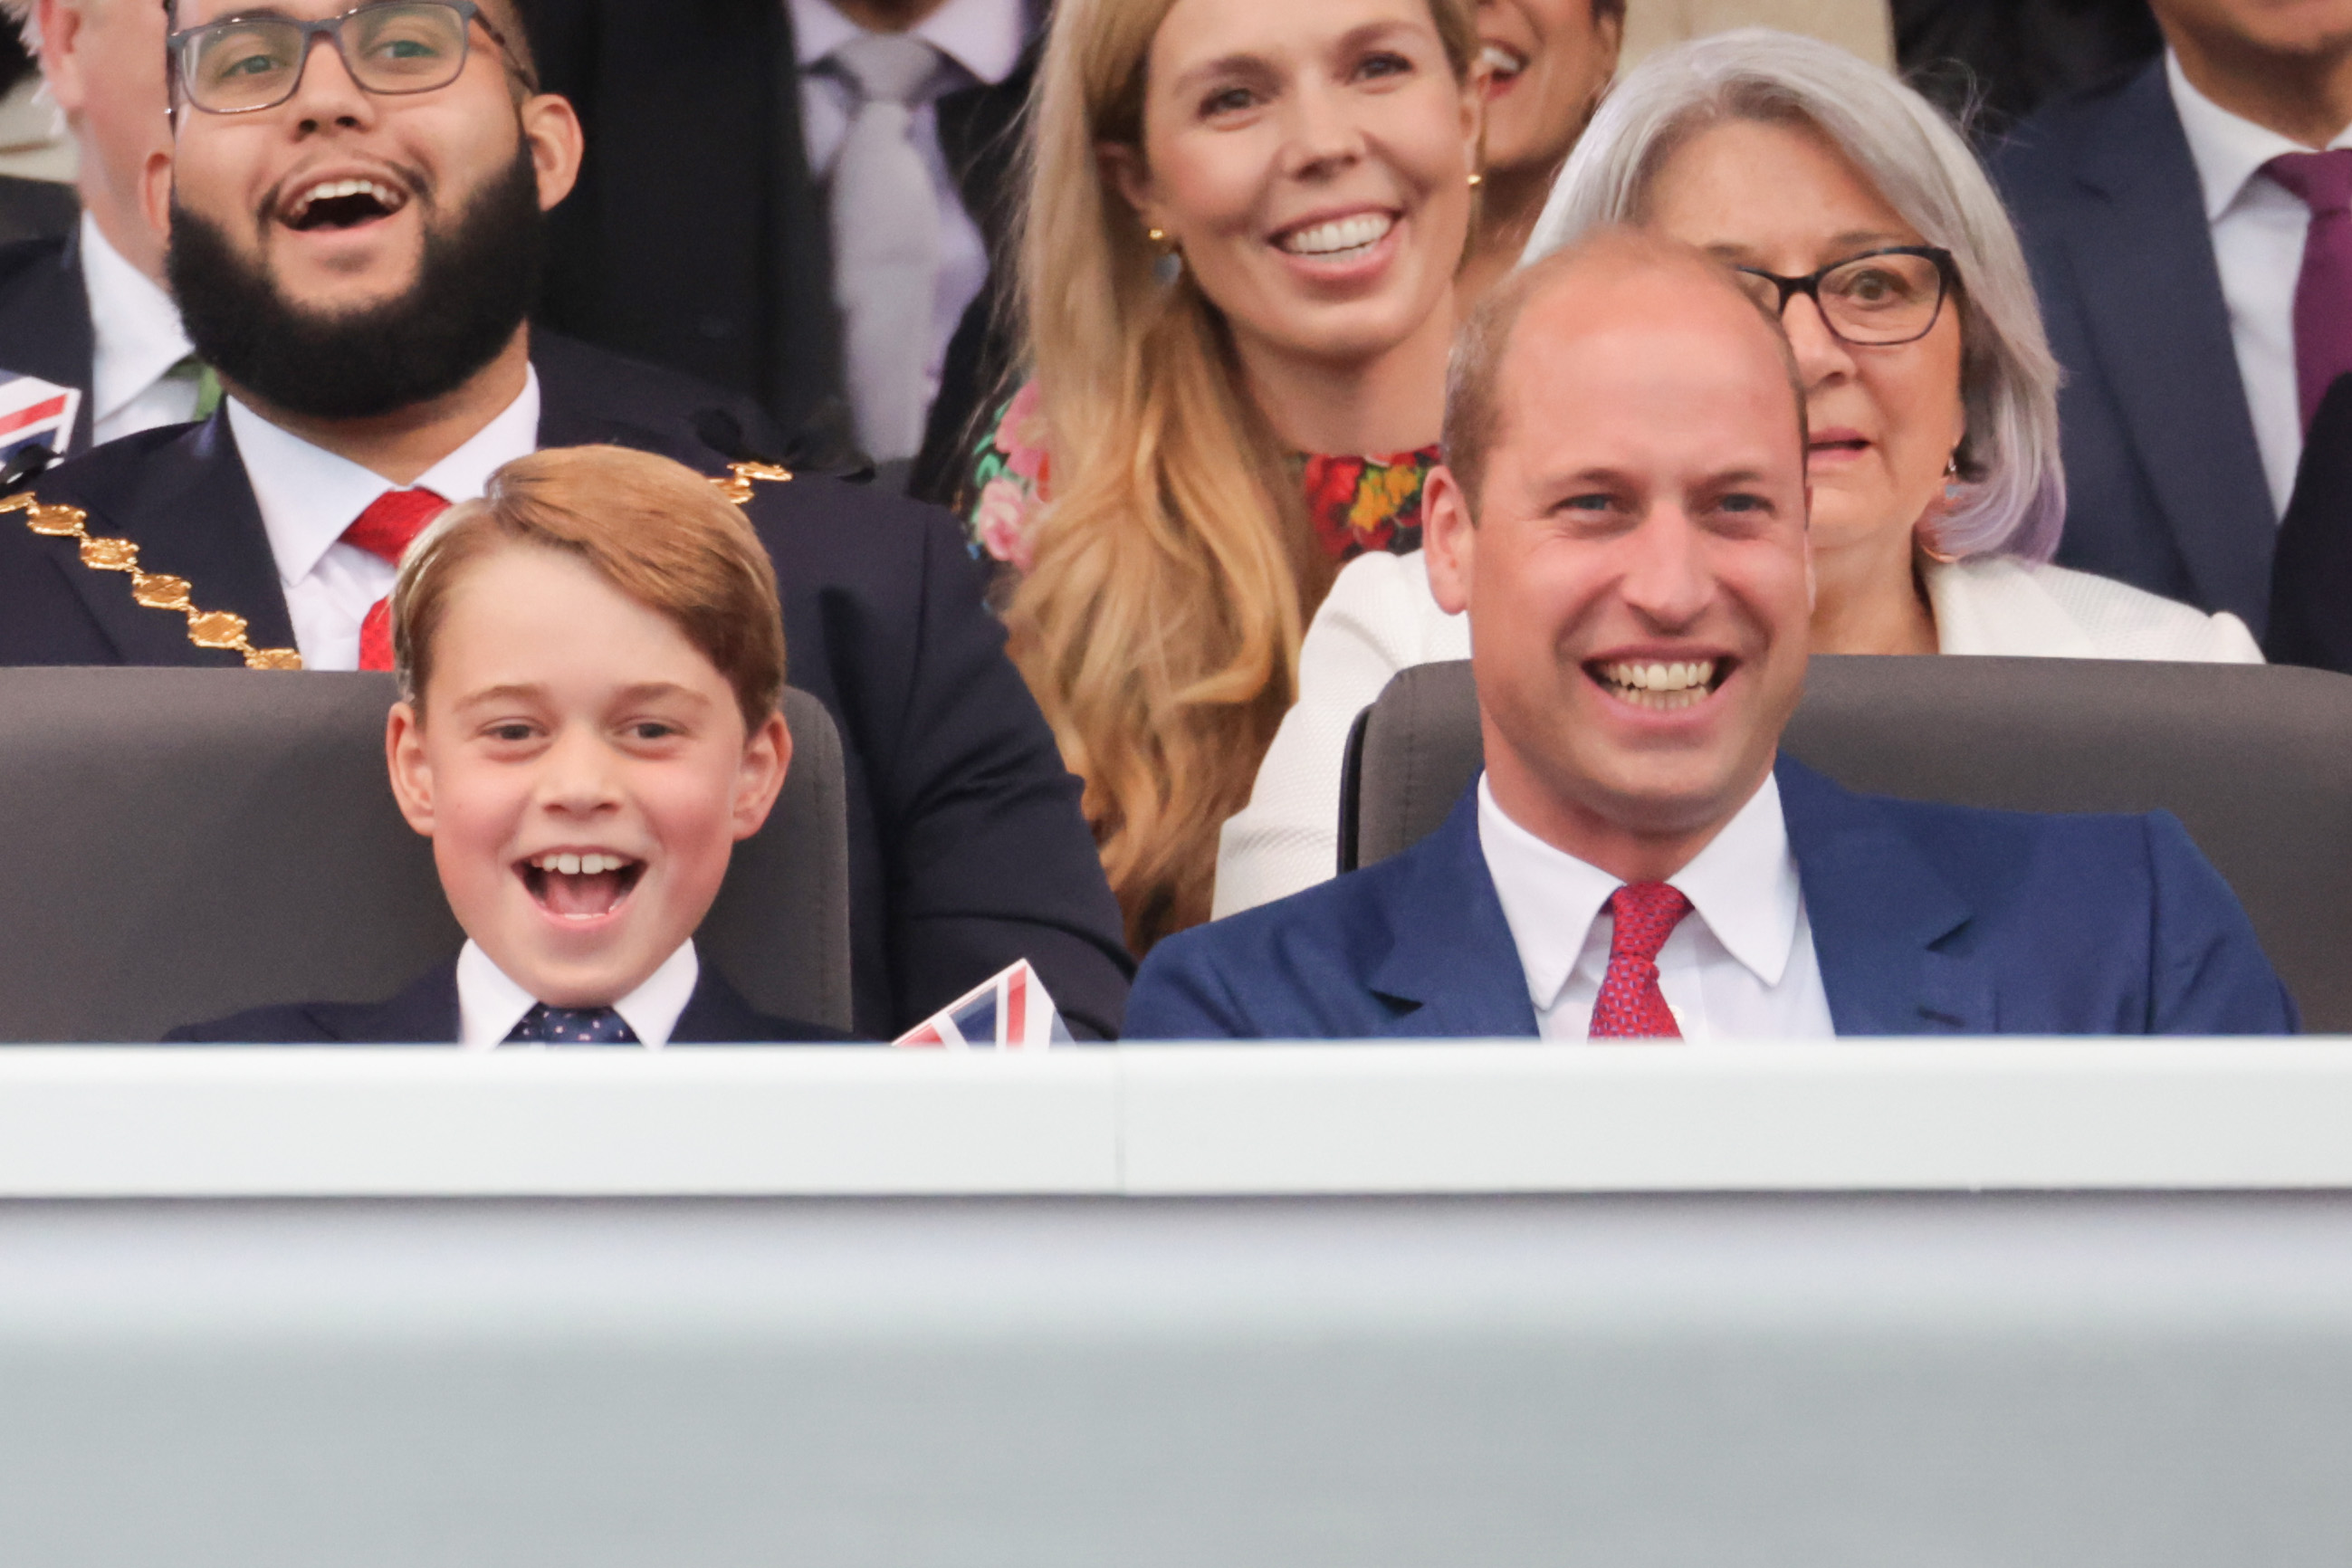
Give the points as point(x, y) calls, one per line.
point(1380, 618)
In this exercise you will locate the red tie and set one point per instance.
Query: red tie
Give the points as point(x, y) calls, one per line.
point(386, 529)
point(1630, 1006)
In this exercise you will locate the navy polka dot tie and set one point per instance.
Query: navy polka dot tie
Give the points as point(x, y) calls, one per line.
point(1630, 1006)
point(546, 1026)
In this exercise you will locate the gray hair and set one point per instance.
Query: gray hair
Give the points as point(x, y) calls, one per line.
point(2014, 500)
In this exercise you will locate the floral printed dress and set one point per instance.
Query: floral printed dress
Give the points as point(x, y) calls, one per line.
point(1356, 503)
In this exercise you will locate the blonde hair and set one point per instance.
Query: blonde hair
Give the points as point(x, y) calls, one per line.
point(655, 528)
point(1175, 567)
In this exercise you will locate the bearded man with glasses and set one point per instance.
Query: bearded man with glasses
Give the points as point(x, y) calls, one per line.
point(355, 199)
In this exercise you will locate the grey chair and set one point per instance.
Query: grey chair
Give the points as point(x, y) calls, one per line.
point(2256, 761)
point(192, 842)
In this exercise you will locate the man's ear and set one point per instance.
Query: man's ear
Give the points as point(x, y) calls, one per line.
point(1449, 538)
point(61, 25)
point(551, 127)
point(411, 772)
point(766, 757)
point(155, 194)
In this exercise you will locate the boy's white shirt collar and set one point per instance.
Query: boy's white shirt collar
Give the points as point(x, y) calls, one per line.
point(489, 1004)
point(308, 496)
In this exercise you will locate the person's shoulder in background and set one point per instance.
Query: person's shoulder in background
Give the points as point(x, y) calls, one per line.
point(1380, 618)
point(1999, 604)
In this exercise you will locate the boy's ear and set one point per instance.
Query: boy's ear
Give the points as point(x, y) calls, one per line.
point(412, 773)
point(766, 756)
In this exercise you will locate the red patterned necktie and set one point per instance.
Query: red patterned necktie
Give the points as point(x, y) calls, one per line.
point(2323, 291)
point(386, 529)
point(1630, 1006)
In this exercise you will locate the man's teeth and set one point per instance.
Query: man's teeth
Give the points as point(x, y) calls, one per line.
point(333, 190)
point(1357, 233)
point(1501, 61)
point(571, 865)
point(1661, 685)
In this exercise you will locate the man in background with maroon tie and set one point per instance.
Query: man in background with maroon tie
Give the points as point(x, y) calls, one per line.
point(1622, 515)
point(355, 203)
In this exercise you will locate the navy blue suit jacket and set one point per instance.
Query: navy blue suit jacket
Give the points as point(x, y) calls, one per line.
point(1926, 920)
point(426, 1014)
point(2164, 481)
point(45, 327)
point(967, 848)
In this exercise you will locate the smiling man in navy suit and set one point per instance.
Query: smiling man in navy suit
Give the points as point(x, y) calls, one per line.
point(1624, 515)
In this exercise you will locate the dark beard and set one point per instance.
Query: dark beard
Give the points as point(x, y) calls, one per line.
point(475, 283)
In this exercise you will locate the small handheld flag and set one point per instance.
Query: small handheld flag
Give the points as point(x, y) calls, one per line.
point(1010, 1013)
point(34, 412)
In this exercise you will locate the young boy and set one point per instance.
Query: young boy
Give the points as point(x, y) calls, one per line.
point(590, 661)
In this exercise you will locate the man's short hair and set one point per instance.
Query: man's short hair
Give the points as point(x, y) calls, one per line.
point(655, 528)
point(1474, 413)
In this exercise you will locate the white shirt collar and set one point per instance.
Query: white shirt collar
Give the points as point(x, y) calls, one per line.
point(308, 495)
point(490, 1004)
point(1744, 885)
point(134, 327)
point(2227, 149)
point(983, 37)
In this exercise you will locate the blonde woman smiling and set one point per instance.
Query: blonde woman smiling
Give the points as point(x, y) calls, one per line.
point(1854, 210)
point(1237, 270)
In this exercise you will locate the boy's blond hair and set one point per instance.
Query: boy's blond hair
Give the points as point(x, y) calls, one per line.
point(656, 529)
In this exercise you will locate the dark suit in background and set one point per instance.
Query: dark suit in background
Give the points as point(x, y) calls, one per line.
point(426, 1014)
point(45, 327)
point(2311, 585)
point(37, 209)
point(2164, 478)
point(1991, 63)
point(967, 849)
point(1927, 919)
point(696, 237)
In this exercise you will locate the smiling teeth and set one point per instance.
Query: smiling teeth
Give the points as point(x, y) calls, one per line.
point(329, 190)
point(587, 865)
point(1661, 686)
point(1501, 61)
point(1357, 233)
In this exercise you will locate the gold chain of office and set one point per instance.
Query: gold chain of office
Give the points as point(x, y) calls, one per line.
point(221, 629)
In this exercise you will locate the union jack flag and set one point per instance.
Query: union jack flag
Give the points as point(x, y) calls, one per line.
point(35, 411)
point(1010, 1013)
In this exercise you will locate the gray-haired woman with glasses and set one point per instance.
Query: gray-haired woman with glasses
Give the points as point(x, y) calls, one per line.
point(1854, 210)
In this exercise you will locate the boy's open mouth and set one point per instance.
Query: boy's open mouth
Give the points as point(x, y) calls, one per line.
point(574, 884)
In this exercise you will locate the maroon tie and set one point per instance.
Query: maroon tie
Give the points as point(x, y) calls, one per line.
point(1630, 1006)
point(386, 529)
point(2323, 292)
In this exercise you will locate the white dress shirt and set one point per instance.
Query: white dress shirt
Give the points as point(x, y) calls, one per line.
point(490, 1004)
point(1739, 966)
point(2259, 228)
point(1380, 617)
point(980, 42)
point(135, 331)
point(308, 495)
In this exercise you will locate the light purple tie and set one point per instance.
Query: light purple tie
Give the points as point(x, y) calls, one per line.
point(2323, 293)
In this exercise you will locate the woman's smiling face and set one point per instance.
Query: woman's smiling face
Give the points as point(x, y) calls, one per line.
point(1312, 159)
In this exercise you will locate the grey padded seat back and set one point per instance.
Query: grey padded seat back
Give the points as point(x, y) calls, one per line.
point(2255, 759)
point(193, 842)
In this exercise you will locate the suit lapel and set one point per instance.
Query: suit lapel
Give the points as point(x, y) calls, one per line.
point(426, 1013)
point(190, 510)
point(46, 326)
point(803, 328)
point(1452, 965)
point(2142, 261)
point(1878, 909)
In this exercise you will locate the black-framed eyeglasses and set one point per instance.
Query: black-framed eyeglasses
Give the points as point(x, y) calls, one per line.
point(1877, 298)
point(241, 64)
